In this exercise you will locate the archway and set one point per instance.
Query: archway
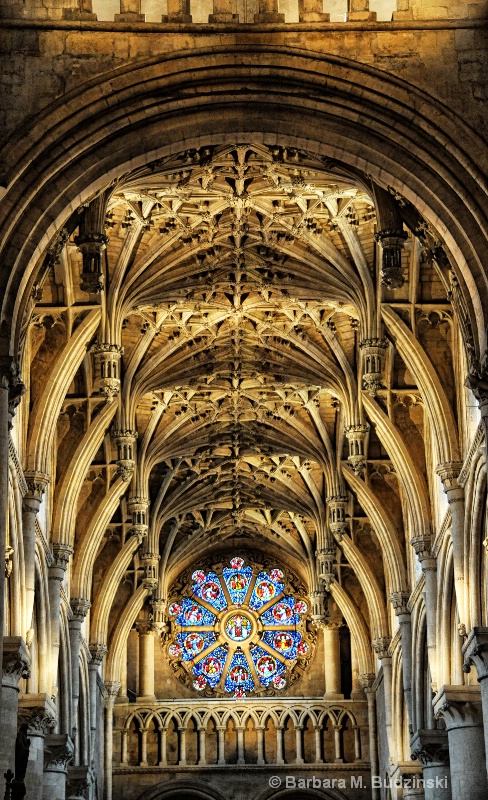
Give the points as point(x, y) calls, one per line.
point(182, 790)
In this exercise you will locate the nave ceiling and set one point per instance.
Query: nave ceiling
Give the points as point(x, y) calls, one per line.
point(212, 336)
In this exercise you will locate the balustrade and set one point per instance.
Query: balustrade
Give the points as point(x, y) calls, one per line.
point(216, 734)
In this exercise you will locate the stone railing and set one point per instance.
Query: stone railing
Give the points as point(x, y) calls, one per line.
point(216, 733)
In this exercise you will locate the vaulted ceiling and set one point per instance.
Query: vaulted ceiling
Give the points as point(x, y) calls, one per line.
point(215, 382)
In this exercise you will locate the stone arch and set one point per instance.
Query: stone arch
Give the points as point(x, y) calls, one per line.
point(401, 135)
point(182, 790)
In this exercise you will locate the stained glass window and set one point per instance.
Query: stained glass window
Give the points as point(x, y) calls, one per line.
point(238, 632)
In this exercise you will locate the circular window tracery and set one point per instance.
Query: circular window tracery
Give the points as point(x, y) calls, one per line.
point(238, 631)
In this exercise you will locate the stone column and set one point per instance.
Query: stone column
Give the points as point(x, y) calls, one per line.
point(39, 713)
point(130, 11)
point(279, 745)
point(240, 746)
point(359, 11)
point(222, 12)
point(178, 11)
point(399, 602)
point(268, 12)
point(14, 667)
point(202, 740)
point(430, 747)
point(449, 474)
point(381, 647)
point(299, 744)
point(221, 730)
point(423, 548)
point(36, 486)
point(475, 653)
point(367, 681)
point(61, 555)
point(97, 652)
point(318, 744)
point(58, 755)
point(146, 662)
point(164, 748)
point(80, 781)
point(312, 11)
point(182, 743)
point(113, 688)
point(332, 661)
point(260, 736)
point(79, 610)
point(11, 391)
point(460, 708)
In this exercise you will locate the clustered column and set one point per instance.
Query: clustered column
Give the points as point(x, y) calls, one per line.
point(31, 503)
point(475, 653)
point(14, 667)
point(367, 682)
point(430, 747)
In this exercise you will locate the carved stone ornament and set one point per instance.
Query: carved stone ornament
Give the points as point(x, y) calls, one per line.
point(58, 752)
point(79, 608)
point(430, 747)
point(392, 242)
point(475, 652)
point(399, 601)
point(39, 721)
point(381, 647)
point(97, 651)
point(459, 706)
point(16, 661)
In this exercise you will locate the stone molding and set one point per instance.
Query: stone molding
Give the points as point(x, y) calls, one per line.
point(38, 712)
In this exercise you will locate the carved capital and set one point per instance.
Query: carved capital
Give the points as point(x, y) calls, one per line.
point(80, 779)
point(80, 608)
point(58, 752)
point(399, 601)
point(61, 556)
point(366, 680)
point(381, 647)
point(97, 651)
point(459, 706)
point(449, 473)
point(39, 720)
point(430, 747)
point(113, 688)
point(37, 483)
point(423, 547)
point(16, 661)
point(475, 652)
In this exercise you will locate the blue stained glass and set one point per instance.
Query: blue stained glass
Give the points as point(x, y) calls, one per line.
point(237, 582)
point(192, 644)
point(267, 667)
point(193, 613)
point(284, 642)
point(282, 613)
point(210, 668)
point(265, 589)
point(239, 676)
point(211, 591)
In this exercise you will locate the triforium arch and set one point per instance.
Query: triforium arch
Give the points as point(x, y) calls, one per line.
point(244, 289)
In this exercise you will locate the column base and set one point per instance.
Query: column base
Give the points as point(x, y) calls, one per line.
point(224, 17)
point(177, 18)
point(333, 696)
point(269, 17)
point(361, 16)
point(399, 15)
point(146, 698)
point(130, 16)
point(74, 13)
point(314, 16)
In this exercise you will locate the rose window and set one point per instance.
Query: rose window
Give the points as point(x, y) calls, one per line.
point(239, 632)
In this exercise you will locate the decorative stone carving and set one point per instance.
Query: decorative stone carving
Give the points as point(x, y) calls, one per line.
point(9, 564)
point(475, 652)
point(150, 563)
point(382, 647)
point(459, 706)
point(97, 652)
point(337, 515)
point(16, 661)
point(125, 440)
point(430, 747)
point(356, 436)
point(80, 780)
point(107, 369)
point(399, 601)
point(392, 242)
point(58, 752)
point(37, 482)
point(373, 351)
point(326, 558)
point(61, 556)
point(79, 608)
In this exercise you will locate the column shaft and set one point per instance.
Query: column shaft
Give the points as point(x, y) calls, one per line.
point(146, 664)
point(15, 666)
point(4, 460)
point(332, 662)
